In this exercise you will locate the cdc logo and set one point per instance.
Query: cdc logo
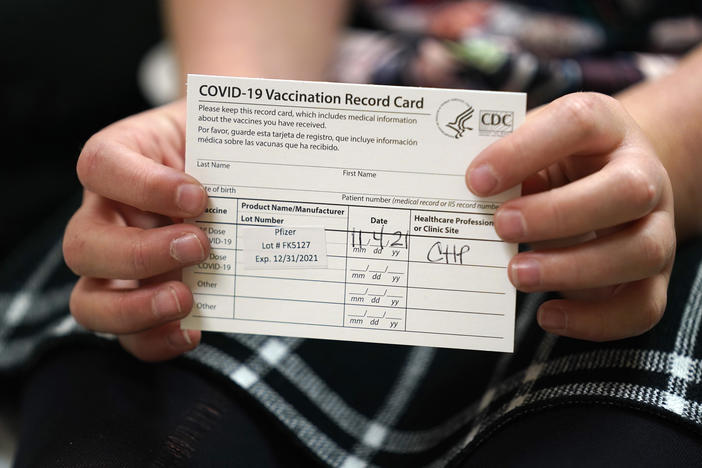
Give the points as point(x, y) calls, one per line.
point(495, 123)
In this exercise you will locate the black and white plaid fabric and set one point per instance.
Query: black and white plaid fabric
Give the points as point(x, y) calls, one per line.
point(356, 405)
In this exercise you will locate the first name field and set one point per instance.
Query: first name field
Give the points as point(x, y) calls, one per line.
point(340, 211)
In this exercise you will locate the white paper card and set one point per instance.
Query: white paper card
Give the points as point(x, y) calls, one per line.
point(376, 174)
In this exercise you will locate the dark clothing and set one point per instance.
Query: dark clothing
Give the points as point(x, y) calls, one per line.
point(105, 409)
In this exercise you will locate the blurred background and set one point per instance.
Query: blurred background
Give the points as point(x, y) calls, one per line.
point(67, 69)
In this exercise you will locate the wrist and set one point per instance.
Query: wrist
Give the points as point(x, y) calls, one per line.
point(665, 112)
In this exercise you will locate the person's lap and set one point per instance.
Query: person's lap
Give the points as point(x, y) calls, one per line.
point(95, 405)
point(88, 405)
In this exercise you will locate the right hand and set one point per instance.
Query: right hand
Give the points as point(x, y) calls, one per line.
point(597, 211)
point(127, 240)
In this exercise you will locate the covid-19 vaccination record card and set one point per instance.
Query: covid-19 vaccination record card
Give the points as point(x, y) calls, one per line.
point(340, 211)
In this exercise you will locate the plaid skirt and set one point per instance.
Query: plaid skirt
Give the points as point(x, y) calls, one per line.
point(357, 404)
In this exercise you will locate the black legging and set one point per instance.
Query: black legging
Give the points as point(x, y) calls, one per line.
point(85, 405)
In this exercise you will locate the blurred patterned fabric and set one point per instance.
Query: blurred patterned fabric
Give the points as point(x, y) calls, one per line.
point(600, 46)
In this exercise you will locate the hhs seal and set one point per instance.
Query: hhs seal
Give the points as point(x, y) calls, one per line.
point(454, 118)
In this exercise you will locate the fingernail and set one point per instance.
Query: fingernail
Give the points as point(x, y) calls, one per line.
point(552, 318)
point(187, 249)
point(525, 273)
point(165, 303)
point(482, 180)
point(180, 339)
point(510, 224)
point(189, 198)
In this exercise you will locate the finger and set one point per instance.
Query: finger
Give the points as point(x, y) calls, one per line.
point(626, 189)
point(581, 123)
point(161, 343)
point(173, 275)
point(119, 173)
point(97, 307)
point(109, 251)
point(638, 251)
point(141, 219)
point(634, 309)
point(590, 294)
point(536, 183)
point(563, 242)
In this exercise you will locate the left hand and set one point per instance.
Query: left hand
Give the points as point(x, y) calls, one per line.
point(127, 240)
point(597, 210)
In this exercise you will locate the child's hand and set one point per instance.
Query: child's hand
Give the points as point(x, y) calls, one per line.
point(126, 240)
point(597, 208)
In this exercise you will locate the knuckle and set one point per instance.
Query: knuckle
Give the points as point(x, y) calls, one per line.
point(670, 242)
point(641, 189)
point(69, 253)
point(75, 305)
point(142, 179)
point(139, 257)
point(89, 159)
point(515, 143)
point(72, 247)
point(558, 215)
point(655, 248)
point(654, 309)
point(581, 109)
point(121, 313)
